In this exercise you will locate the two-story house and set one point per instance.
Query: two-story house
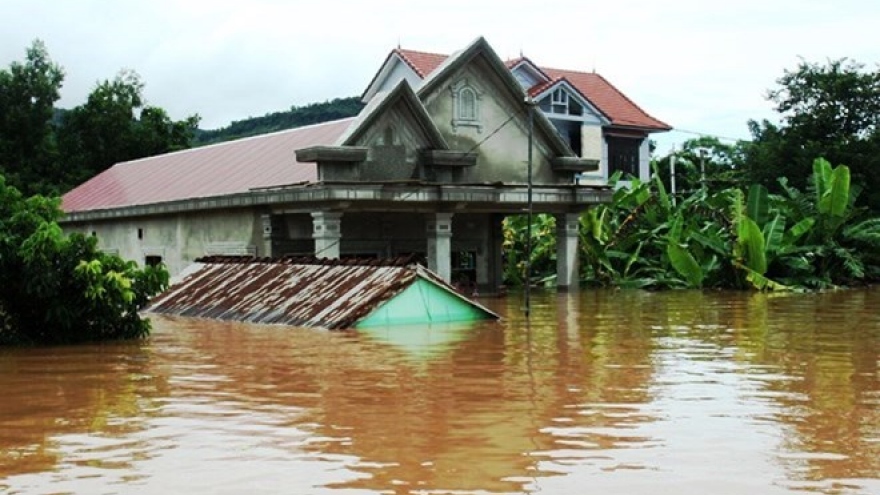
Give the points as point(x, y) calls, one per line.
point(445, 149)
point(595, 119)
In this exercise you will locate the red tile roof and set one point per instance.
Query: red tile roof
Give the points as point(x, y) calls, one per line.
point(615, 105)
point(543, 86)
point(609, 99)
point(423, 63)
point(215, 170)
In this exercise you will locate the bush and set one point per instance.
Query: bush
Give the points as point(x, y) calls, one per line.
point(60, 289)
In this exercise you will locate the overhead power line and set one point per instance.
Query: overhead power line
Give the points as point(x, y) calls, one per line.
point(708, 134)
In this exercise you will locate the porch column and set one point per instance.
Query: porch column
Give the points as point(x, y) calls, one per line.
point(439, 233)
point(266, 223)
point(567, 251)
point(327, 233)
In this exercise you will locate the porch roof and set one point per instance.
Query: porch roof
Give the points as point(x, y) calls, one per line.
point(412, 196)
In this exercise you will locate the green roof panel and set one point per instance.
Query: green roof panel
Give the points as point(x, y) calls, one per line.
point(423, 302)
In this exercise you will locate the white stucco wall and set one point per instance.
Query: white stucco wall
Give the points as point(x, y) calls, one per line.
point(645, 159)
point(400, 70)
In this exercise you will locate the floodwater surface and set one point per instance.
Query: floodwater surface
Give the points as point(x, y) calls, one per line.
point(600, 392)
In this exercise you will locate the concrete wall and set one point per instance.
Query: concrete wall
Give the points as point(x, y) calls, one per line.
point(592, 142)
point(394, 143)
point(502, 155)
point(645, 159)
point(178, 239)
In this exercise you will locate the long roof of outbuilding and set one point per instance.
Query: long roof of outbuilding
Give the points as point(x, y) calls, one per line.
point(239, 166)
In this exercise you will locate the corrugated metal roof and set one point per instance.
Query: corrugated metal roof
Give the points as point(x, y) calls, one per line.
point(226, 168)
point(310, 292)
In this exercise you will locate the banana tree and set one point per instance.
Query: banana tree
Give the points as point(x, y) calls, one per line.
point(840, 245)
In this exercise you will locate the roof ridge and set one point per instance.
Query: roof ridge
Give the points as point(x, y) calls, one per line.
point(233, 141)
point(421, 51)
point(399, 261)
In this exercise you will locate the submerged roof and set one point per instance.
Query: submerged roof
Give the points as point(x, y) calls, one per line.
point(226, 168)
point(611, 102)
point(310, 292)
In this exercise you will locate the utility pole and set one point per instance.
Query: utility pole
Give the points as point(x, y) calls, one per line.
point(530, 105)
point(672, 158)
point(703, 169)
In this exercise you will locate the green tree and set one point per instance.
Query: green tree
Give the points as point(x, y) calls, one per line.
point(115, 125)
point(703, 161)
point(61, 289)
point(830, 110)
point(28, 92)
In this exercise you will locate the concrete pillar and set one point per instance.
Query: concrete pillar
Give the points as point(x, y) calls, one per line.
point(265, 247)
point(567, 251)
point(496, 249)
point(327, 232)
point(439, 234)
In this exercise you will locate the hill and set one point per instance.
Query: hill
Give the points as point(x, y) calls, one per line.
point(312, 113)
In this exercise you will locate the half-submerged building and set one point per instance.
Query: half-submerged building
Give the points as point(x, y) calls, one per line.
point(325, 293)
point(431, 166)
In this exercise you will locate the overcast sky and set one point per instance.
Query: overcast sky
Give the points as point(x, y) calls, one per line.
point(701, 66)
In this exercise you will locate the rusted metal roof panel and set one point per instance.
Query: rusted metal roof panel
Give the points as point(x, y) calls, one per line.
point(293, 291)
point(220, 169)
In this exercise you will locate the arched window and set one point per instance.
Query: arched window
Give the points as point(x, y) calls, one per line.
point(467, 104)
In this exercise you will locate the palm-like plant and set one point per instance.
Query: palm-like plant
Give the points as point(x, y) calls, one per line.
point(839, 245)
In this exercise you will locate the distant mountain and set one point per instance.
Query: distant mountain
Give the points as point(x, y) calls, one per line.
point(312, 113)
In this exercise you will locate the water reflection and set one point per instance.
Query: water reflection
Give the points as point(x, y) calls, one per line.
point(621, 392)
point(85, 401)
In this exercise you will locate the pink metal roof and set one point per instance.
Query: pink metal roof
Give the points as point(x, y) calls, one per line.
point(215, 170)
point(607, 98)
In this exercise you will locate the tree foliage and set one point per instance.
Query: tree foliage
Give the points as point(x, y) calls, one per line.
point(44, 150)
point(718, 237)
point(312, 113)
point(830, 110)
point(61, 289)
point(115, 125)
point(28, 92)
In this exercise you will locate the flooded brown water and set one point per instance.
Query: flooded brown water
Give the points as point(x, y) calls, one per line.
point(601, 392)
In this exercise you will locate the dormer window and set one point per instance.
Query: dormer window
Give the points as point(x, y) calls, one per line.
point(562, 102)
point(559, 101)
point(465, 105)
